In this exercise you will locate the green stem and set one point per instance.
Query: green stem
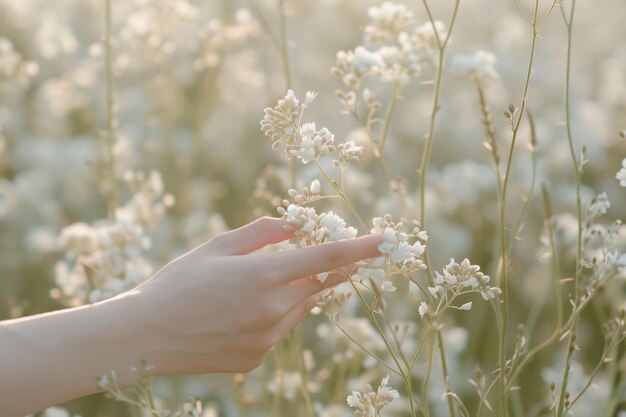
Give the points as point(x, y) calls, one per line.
point(111, 187)
point(577, 171)
point(426, 158)
point(284, 46)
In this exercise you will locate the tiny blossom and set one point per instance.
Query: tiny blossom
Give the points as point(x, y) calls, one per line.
point(311, 228)
point(309, 97)
point(396, 245)
point(462, 277)
point(306, 194)
point(322, 277)
point(348, 152)
point(466, 306)
point(387, 286)
point(621, 174)
point(370, 403)
point(423, 309)
point(335, 227)
point(386, 21)
point(314, 143)
point(363, 274)
point(425, 36)
point(279, 122)
point(315, 187)
point(106, 258)
point(599, 206)
point(413, 288)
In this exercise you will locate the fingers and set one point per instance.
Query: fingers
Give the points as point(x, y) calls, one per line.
point(290, 320)
point(304, 288)
point(293, 264)
point(248, 238)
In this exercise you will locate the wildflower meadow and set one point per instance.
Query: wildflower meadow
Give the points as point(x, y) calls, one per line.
point(484, 140)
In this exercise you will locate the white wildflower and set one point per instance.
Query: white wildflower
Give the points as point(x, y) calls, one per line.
point(315, 187)
point(621, 174)
point(309, 97)
point(599, 205)
point(313, 143)
point(348, 152)
point(370, 402)
point(423, 309)
point(466, 306)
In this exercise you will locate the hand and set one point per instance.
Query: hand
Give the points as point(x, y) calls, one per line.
point(220, 308)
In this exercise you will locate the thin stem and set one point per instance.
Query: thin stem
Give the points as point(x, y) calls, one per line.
point(373, 355)
point(426, 158)
point(303, 373)
point(387, 121)
point(569, 22)
point(284, 46)
point(343, 196)
point(111, 186)
point(503, 243)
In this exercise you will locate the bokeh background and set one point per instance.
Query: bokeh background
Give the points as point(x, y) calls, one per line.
point(191, 80)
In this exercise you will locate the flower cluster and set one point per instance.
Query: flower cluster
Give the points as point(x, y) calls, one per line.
point(456, 279)
point(313, 143)
point(307, 194)
point(311, 228)
point(389, 50)
point(106, 258)
point(464, 276)
point(370, 402)
point(279, 122)
point(303, 141)
point(218, 36)
point(348, 152)
point(599, 206)
point(397, 253)
point(602, 257)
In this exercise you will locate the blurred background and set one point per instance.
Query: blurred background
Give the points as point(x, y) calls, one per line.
point(191, 80)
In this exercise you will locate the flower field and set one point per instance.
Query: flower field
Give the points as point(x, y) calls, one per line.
point(484, 140)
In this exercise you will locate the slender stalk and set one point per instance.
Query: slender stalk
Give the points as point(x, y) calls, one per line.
point(303, 373)
point(387, 121)
point(284, 46)
point(504, 264)
point(109, 142)
point(441, 44)
point(569, 22)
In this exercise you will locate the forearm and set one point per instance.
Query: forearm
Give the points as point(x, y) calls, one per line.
point(54, 357)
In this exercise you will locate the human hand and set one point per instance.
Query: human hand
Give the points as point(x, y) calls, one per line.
point(220, 308)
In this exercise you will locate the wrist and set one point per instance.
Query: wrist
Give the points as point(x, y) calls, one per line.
point(128, 338)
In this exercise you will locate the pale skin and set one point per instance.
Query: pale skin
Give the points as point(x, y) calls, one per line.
point(218, 308)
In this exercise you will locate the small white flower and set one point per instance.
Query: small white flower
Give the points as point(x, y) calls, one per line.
point(310, 97)
point(387, 286)
point(315, 187)
point(621, 174)
point(291, 98)
point(322, 277)
point(424, 308)
point(599, 206)
point(413, 288)
point(466, 306)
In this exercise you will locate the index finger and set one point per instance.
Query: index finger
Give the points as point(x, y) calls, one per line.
point(293, 264)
